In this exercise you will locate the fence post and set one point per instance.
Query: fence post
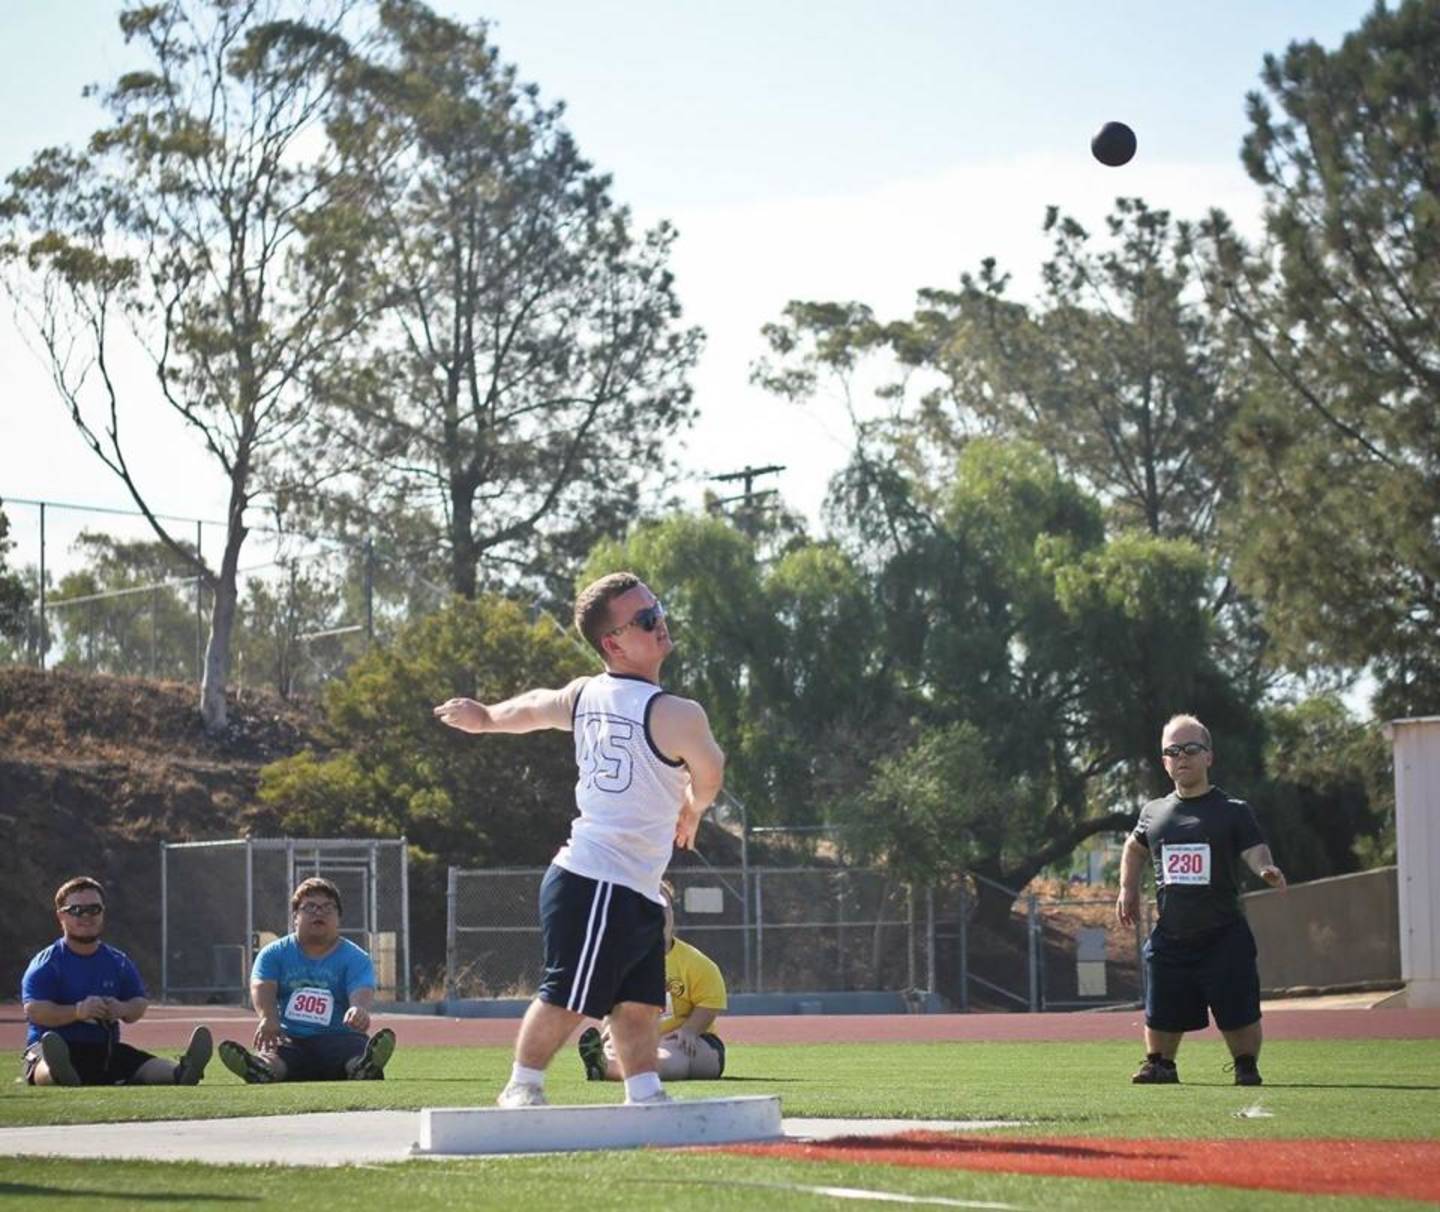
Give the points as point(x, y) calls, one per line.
point(44, 635)
point(909, 936)
point(1032, 915)
point(759, 931)
point(405, 911)
point(930, 937)
point(199, 611)
point(964, 947)
point(840, 928)
point(164, 923)
point(451, 886)
point(249, 918)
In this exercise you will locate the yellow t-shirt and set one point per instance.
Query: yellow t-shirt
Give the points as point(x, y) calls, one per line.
point(691, 979)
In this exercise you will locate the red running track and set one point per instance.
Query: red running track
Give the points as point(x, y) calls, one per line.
point(168, 1027)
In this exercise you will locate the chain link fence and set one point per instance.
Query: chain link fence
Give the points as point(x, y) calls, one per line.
point(106, 596)
point(222, 901)
point(822, 929)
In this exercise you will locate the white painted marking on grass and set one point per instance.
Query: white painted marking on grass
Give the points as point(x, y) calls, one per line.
point(879, 1197)
point(1254, 1111)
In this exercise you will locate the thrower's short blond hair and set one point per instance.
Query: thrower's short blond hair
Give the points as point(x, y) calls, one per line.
point(1186, 718)
point(81, 883)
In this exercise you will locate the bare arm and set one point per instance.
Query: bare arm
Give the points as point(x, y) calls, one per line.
point(59, 1014)
point(263, 996)
point(528, 712)
point(1132, 863)
point(682, 732)
point(1258, 859)
point(701, 1019)
point(131, 1011)
point(358, 1016)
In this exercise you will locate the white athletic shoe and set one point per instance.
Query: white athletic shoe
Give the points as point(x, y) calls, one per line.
point(521, 1094)
point(653, 1101)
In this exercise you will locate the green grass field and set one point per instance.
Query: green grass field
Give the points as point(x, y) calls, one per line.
point(1349, 1089)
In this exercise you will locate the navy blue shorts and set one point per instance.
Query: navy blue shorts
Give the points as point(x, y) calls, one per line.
point(320, 1058)
point(604, 944)
point(1187, 976)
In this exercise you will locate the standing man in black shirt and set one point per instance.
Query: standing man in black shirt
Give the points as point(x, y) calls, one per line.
point(1201, 953)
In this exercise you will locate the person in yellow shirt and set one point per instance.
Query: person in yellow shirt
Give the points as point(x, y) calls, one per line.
point(694, 997)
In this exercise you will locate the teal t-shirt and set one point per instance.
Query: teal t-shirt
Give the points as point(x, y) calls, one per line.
point(313, 994)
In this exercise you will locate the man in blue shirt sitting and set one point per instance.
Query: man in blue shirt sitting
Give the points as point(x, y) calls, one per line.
point(76, 994)
point(313, 991)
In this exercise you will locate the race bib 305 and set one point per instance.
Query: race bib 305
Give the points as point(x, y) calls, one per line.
point(311, 1005)
point(1187, 863)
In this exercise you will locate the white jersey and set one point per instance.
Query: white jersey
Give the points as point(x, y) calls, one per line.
point(628, 793)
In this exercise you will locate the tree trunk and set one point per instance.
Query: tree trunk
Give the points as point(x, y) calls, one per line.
point(222, 622)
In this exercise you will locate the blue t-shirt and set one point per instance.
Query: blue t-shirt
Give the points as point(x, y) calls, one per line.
point(61, 976)
point(313, 994)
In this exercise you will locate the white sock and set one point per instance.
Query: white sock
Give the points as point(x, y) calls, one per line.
point(642, 1085)
point(527, 1077)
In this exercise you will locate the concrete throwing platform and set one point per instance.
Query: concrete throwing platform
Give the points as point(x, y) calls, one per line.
point(698, 1121)
point(346, 1138)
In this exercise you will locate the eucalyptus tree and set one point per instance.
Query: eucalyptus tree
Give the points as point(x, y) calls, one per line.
point(205, 223)
point(529, 367)
point(1338, 306)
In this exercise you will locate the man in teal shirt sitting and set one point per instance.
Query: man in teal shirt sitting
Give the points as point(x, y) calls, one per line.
point(313, 991)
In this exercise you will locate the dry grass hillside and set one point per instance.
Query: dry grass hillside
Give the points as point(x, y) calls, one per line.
point(95, 772)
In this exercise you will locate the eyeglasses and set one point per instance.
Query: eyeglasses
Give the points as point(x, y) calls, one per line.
point(647, 619)
point(1189, 749)
point(318, 908)
point(83, 910)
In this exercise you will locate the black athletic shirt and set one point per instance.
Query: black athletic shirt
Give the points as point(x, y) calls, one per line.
point(1195, 847)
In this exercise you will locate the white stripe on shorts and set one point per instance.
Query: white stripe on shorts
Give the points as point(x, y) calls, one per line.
point(594, 936)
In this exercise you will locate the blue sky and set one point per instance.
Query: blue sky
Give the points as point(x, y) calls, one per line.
point(853, 149)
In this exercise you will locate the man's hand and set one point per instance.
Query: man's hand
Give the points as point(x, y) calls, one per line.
point(267, 1033)
point(465, 714)
point(93, 1009)
point(687, 1041)
point(1272, 875)
point(688, 825)
point(1127, 906)
point(357, 1018)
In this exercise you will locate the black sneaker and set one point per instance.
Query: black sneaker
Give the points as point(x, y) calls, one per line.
point(244, 1064)
point(55, 1052)
point(592, 1054)
point(370, 1065)
point(191, 1066)
point(1156, 1071)
point(1247, 1071)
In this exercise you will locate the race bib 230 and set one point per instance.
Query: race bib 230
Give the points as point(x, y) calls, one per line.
point(1187, 863)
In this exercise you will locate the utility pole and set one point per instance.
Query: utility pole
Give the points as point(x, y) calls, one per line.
point(746, 517)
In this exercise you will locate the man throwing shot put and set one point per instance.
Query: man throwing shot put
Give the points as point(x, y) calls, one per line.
point(76, 994)
point(648, 769)
point(694, 998)
point(313, 991)
point(1201, 953)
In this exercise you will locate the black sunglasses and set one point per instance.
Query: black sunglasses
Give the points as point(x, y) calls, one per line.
point(1189, 749)
point(83, 910)
point(647, 619)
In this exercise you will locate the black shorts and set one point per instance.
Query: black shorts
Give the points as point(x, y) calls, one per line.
point(1187, 976)
point(604, 944)
point(719, 1045)
point(95, 1064)
point(320, 1058)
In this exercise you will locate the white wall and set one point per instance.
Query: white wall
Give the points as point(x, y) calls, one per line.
point(1417, 845)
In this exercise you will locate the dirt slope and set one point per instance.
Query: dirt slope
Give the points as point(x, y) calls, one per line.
point(95, 772)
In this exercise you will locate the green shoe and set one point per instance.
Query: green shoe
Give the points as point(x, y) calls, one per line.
point(370, 1065)
point(244, 1064)
point(592, 1054)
